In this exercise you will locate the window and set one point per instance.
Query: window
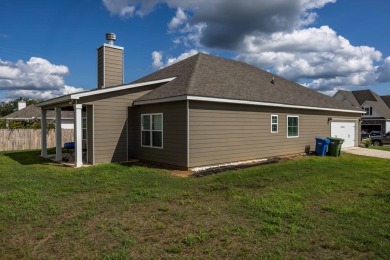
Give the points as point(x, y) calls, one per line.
point(368, 111)
point(274, 123)
point(292, 126)
point(152, 130)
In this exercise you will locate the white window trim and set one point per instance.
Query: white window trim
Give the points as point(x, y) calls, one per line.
point(151, 131)
point(287, 127)
point(277, 124)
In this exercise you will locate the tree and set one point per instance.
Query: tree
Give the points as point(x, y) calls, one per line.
point(7, 108)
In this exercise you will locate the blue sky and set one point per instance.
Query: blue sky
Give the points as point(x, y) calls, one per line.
point(48, 48)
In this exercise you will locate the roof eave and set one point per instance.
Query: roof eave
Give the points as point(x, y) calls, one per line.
point(242, 102)
point(101, 91)
point(55, 101)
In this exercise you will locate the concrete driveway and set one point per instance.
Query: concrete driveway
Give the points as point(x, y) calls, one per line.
point(367, 152)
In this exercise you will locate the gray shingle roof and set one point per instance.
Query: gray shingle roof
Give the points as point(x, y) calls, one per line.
point(364, 95)
point(386, 99)
point(350, 97)
point(369, 98)
point(210, 76)
point(32, 112)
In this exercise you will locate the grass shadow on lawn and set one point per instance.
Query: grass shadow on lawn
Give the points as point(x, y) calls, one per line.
point(27, 157)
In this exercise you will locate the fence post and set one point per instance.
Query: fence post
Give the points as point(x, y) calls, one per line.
point(44, 134)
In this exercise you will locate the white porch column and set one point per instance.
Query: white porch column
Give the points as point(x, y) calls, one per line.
point(58, 135)
point(78, 135)
point(44, 135)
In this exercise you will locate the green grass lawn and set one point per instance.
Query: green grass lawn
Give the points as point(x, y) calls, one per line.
point(313, 207)
point(383, 147)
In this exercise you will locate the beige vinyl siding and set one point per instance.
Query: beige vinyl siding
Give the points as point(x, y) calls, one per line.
point(113, 67)
point(110, 66)
point(90, 134)
point(110, 123)
point(100, 67)
point(174, 151)
point(221, 133)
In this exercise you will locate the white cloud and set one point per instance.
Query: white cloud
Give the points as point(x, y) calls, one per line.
point(190, 35)
point(122, 8)
point(182, 56)
point(36, 78)
point(313, 53)
point(157, 59)
point(384, 71)
point(179, 19)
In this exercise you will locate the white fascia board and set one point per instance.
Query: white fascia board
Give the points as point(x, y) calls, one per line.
point(112, 89)
point(55, 101)
point(100, 91)
point(161, 100)
point(242, 102)
point(112, 46)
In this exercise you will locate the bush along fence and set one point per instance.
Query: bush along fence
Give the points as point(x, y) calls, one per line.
point(28, 139)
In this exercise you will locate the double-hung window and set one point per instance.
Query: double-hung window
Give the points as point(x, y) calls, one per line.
point(292, 126)
point(274, 123)
point(152, 130)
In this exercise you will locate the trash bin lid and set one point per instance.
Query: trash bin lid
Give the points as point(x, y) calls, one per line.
point(322, 139)
point(336, 140)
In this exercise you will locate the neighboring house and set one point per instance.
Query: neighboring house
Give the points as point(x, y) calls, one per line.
point(34, 113)
point(377, 116)
point(203, 110)
point(386, 99)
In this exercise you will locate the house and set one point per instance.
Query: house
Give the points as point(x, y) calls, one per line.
point(377, 111)
point(33, 112)
point(200, 111)
point(386, 99)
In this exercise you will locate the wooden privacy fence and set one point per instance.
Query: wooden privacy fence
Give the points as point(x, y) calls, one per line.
point(27, 139)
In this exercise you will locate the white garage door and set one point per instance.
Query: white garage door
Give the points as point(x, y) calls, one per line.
point(345, 130)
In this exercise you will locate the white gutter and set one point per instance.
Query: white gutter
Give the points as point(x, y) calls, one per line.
point(242, 102)
point(101, 91)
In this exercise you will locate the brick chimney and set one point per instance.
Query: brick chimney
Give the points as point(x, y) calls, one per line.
point(110, 63)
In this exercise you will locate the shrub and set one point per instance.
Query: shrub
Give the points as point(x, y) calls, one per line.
point(29, 124)
point(367, 142)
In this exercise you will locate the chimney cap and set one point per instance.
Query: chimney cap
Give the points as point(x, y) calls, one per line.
point(110, 37)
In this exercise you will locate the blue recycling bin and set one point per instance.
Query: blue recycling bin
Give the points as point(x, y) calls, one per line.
point(321, 146)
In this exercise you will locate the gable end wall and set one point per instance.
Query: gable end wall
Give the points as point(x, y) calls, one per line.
point(110, 123)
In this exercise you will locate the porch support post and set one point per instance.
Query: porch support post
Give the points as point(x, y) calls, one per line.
point(44, 134)
point(78, 142)
point(58, 135)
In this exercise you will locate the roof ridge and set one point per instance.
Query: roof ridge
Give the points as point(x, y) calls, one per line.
point(189, 84)
point(375, 95)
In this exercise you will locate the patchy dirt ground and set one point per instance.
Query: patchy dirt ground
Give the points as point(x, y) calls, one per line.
point(189, 173)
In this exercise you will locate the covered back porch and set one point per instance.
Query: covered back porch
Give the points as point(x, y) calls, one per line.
point(80, 154)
